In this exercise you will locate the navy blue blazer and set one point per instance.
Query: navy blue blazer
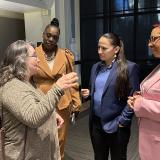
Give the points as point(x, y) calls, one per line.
point(113, 109)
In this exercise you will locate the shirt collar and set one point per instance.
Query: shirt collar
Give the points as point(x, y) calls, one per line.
point(103, 66)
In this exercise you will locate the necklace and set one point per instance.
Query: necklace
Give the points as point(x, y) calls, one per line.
point(49, 58)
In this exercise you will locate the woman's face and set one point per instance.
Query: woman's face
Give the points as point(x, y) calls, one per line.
point(106, 50)
point(50, 37)
point(154, 42)
point(32, 61)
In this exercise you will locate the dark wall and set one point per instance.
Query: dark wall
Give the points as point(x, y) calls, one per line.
point(10, 30)
point(132, 20)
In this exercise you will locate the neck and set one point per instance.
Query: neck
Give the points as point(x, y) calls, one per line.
point(28, 76)
point(107, 63)
point(49, 51)
point(110, 61)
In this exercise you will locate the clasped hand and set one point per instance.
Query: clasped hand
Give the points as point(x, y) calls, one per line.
point(85, 93)
point(131, 99)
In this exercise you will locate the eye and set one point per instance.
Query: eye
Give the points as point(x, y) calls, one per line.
point(152, 38)
point(102, 48)
point(48, 35)
point(56, 37)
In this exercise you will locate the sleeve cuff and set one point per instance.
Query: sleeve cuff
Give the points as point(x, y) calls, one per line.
point(58, 89)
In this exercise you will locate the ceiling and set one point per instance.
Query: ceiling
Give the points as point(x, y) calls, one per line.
point(16, 7)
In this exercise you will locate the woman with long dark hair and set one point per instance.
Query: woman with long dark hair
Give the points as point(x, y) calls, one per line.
point(112, 80)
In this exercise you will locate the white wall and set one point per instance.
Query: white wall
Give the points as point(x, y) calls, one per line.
point(35, 23)
point(37, 3)
point(9, 14)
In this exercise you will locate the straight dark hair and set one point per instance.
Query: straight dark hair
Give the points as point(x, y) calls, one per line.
point(122, 87)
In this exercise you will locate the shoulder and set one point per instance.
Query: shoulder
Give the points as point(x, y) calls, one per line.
point(13, 83)
point(94, 67)
point(38, 48)
point(131, 64)
point(96, 64)
point(69, 54)
point(15, 86)
point(133, 68)
point(66, 52)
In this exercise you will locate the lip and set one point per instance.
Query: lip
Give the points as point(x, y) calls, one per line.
point(100, 55)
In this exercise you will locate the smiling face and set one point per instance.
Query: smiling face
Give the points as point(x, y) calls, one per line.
point(50, 37)
point(106, 50)
point(154, 42)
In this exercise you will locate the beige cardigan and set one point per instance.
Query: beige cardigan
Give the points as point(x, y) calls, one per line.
point(27, 110)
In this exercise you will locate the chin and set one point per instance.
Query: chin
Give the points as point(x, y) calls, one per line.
point(102, 59)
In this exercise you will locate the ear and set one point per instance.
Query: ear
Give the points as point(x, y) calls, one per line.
point(117, 49)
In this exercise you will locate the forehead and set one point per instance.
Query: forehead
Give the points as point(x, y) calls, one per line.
point(155, 32)
point(52, 30)
point(104, 41)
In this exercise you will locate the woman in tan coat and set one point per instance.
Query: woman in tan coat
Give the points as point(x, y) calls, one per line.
point(29, 116)
point(54, 62)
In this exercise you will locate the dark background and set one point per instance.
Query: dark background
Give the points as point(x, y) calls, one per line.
point(132, 20)
point(11, 29)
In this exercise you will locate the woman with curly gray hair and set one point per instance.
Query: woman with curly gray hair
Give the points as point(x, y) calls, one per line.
point(29, 116)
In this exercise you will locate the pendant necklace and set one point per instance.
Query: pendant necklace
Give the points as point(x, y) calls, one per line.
point(49, 58)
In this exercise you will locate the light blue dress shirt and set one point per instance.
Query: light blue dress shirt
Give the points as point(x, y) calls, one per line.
point(100, 82)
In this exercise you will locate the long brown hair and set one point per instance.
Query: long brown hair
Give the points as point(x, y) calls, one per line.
point(122, 86)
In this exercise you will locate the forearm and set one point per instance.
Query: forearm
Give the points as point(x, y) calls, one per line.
point(31, 107)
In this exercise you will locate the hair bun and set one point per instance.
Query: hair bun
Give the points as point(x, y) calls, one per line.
point(55, 22)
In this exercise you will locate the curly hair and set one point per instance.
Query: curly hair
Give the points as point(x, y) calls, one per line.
point(14, 64)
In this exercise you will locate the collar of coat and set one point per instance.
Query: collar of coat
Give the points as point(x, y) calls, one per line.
point(59, 61)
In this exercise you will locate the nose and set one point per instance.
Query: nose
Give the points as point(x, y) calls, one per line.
point(150, 44)
point(99, 50)
point(50, 39)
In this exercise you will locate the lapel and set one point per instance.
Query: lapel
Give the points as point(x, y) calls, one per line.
point(59, 62)
point(113, 74)
point(154, 79)
point(94, 75)
point(43, 66)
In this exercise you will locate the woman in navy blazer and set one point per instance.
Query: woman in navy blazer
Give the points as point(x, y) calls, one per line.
point(113, 79)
